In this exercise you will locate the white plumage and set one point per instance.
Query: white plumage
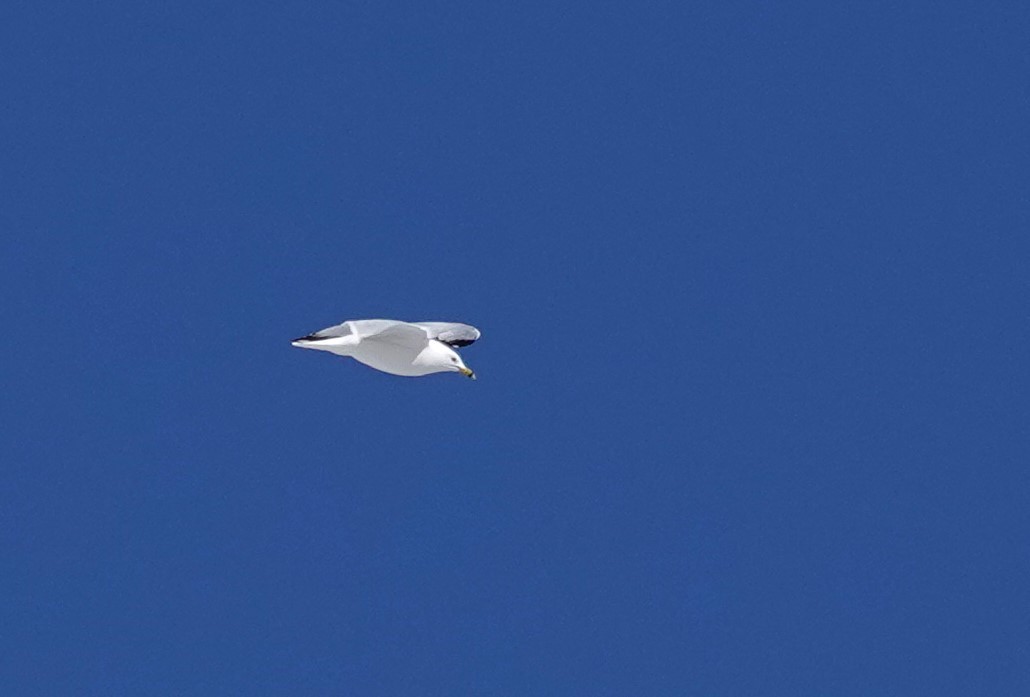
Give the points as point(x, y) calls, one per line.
point(410, 349)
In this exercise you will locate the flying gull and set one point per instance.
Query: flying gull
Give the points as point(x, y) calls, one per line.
point(410, 349)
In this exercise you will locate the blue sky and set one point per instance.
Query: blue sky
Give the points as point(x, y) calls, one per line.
point(751, 416)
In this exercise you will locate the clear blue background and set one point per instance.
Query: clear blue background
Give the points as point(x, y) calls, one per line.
point(752, 415)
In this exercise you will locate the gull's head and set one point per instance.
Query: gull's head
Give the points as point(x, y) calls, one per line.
point(454, 363)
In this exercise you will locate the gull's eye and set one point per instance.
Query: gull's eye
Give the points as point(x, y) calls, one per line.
point(453, 359)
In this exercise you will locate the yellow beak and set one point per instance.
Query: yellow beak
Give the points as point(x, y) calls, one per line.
point(468, 373)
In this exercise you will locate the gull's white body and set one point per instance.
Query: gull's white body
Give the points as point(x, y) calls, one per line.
point(399, 348)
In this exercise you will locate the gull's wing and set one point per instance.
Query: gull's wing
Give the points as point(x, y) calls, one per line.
point(396, 332)
point(453, 334)
point(393, 332)
point(358, 328)
point(334, 332)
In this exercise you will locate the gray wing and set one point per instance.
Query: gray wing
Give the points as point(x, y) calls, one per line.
point(334, 332)
point(451, 333)
point(397, 333)
point(360, 328)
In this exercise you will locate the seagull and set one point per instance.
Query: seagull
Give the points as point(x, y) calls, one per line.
point(410, 349)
